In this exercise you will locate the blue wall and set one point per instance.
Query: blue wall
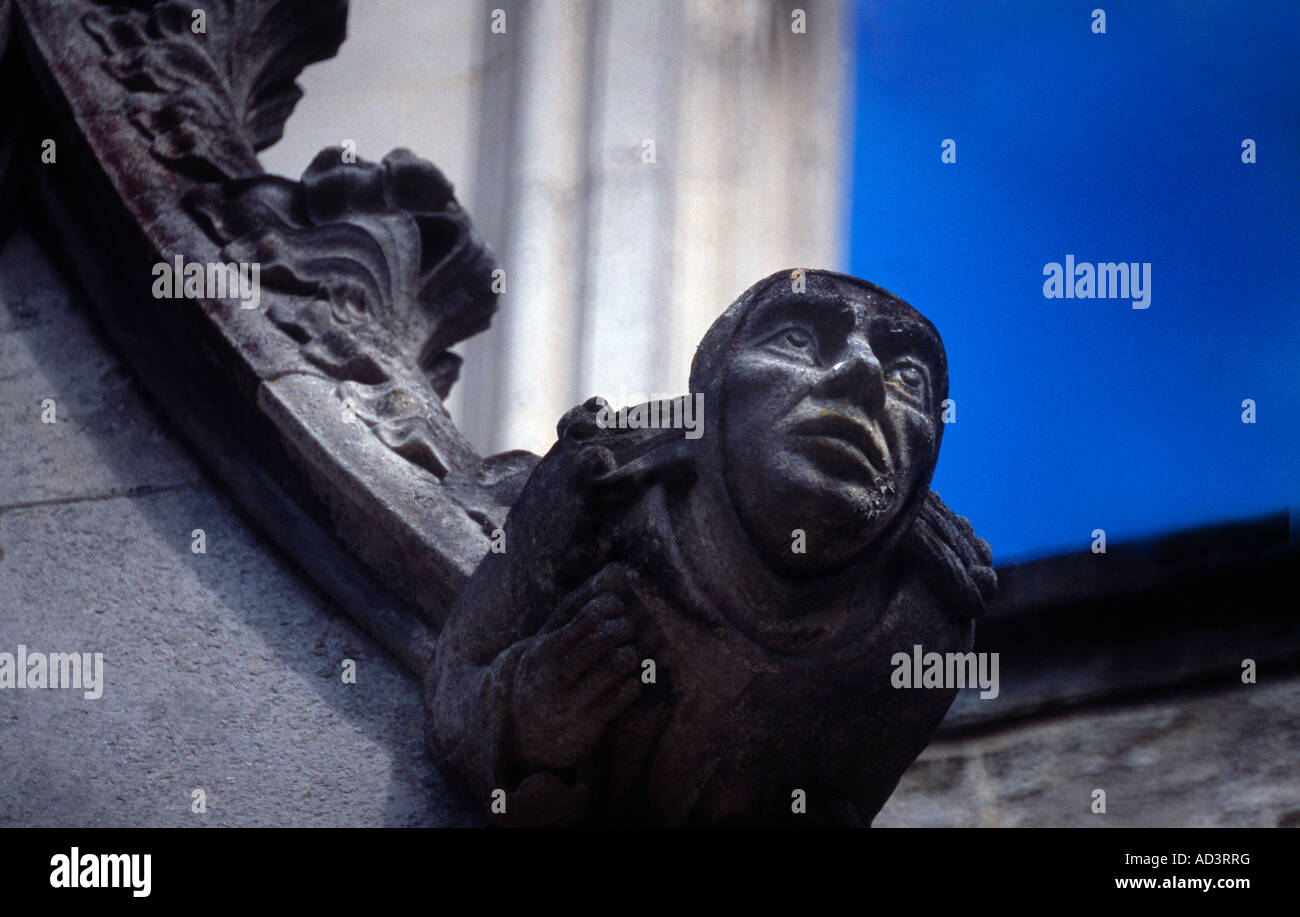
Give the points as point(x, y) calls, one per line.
point(1076, 414)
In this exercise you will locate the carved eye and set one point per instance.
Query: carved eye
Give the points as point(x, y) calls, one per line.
point(907, 375)
point(796, 342)
point(799, 339)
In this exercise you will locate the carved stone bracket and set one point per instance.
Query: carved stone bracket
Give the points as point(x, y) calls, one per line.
point(368, 274)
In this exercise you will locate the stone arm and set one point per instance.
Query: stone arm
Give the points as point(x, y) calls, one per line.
point(531, 669)
point(521, 711)
point(469, 689)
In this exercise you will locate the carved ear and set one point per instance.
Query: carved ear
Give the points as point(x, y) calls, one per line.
point(613, 465)
point(605, 483)
point(955, 562)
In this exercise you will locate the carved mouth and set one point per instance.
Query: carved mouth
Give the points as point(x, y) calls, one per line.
point(852, 437)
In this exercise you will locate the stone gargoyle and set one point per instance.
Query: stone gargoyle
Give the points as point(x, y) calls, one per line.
point(681, 626)
point(698, 630)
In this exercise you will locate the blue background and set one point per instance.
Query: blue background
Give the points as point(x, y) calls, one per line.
point(1081, 414)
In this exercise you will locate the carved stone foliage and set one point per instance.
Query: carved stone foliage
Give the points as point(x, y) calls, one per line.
point(380, 268)
point(212, 82)
point(381, 272)
point(368, 273)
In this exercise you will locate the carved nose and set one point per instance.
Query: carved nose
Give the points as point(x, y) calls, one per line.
point(857, 377)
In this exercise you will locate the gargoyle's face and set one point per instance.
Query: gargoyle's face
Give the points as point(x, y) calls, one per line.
point(828, 420)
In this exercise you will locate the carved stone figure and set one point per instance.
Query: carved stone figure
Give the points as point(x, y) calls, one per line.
point(687, 631)
point(680, 629)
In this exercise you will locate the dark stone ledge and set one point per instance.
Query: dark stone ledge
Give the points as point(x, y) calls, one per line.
point(1159, 615)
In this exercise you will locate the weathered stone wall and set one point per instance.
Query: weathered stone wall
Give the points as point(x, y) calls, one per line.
point(1223, 758)
point(223, 670)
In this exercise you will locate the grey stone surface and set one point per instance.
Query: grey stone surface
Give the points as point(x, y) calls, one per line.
point(103, 441)
point(1225, 758)
point(222, 669)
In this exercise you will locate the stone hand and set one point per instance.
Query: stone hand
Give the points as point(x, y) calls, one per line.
point(578, 674)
